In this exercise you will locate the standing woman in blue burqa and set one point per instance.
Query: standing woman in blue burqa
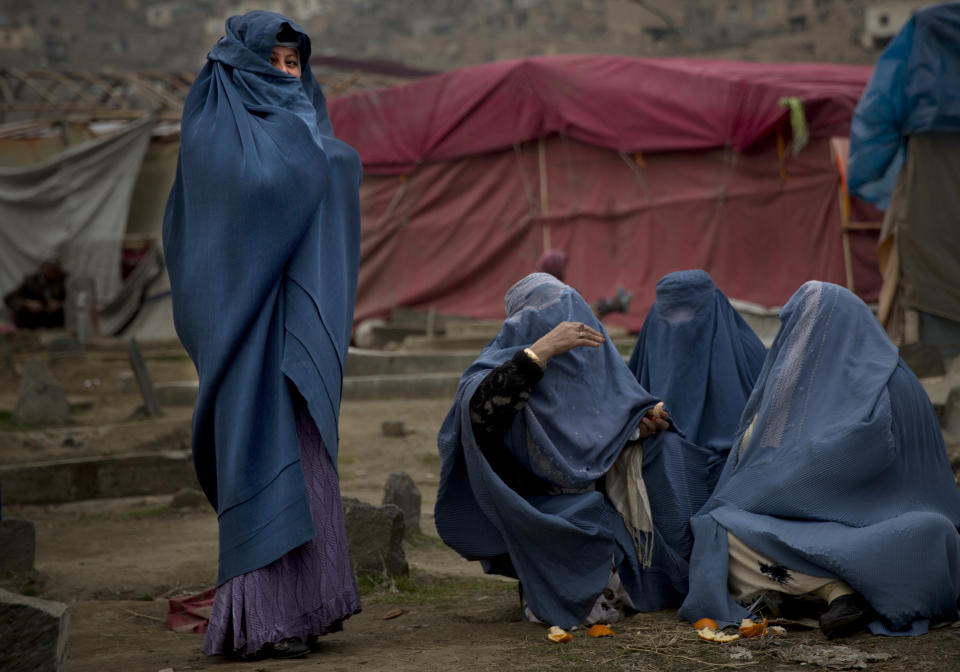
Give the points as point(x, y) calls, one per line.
point(261, 236)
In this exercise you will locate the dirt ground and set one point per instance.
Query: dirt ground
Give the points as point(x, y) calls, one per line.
point(116, 562)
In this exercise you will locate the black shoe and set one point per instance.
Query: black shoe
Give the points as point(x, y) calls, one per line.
point(774, 604)
point(845, 615)
point(291, 647)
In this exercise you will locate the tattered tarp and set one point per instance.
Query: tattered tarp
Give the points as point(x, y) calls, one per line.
point(72, 206)
point(624, 104)
point(915, 88)
point(923, 262)
point(457, 234)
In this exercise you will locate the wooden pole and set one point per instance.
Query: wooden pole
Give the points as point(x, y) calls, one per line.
point(544, 201)
point(845, 233)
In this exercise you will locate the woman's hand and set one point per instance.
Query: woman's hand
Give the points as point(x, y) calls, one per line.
point(653, 421)
point(566, 336)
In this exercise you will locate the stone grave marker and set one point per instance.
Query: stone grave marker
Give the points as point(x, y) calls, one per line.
point(40, 399)
point(402, 492)
point(375, 537)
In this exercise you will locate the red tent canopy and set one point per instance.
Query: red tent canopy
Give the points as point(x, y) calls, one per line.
point(634, 167)
point(624, 104)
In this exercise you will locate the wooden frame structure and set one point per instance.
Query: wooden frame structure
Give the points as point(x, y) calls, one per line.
point(44, 94)
point(36, 94)
point(840, 153)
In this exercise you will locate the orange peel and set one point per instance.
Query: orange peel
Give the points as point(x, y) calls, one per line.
point(558, 635)
point(711, 635)
point(706, 623)
point(750, 628)
point(599, 630)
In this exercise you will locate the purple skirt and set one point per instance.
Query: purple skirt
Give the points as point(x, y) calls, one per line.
point(310, 590)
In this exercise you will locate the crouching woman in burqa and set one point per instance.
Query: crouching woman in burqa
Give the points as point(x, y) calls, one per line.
point(697, 354)
point(837, 495)
point(261, 236)
point(557, 469)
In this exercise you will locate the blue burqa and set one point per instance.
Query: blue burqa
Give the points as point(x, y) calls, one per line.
point(261, 236)
point(578, 419)
point(844, 475)
point(914, 88)
point(697, 354)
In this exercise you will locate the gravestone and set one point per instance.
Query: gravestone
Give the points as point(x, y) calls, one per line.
point(189, 498)
point(18, 541)
point(6, 357)
point(40, 399)
point(402, 492)
point(375, 537)
point(33, 634)
point(393, 428)
point(65, 346)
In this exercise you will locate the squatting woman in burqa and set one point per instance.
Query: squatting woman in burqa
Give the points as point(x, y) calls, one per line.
point(555, 471)
point(261, 237)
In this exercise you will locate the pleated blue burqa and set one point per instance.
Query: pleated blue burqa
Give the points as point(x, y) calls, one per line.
point(697, 354)
point(578, 419)
point(261, 236)
point(844, 475)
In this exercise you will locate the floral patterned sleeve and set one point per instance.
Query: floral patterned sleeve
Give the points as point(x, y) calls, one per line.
point(494, 405)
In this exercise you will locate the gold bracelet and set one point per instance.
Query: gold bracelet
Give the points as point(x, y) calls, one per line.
point(532, 355)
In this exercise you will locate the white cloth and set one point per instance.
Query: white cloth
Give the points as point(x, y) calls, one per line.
point(74, 207)
point(628, 494)
point(749, 574)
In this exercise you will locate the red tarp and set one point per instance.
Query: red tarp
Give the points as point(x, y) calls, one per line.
point(624, 104)
point(458, 203)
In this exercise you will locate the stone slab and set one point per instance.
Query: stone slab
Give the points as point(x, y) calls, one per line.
point(445, 343)
point(379, 335)
point(33, 634)
point(421, 386)
point(178, 393)
point(18, 541)
point(367, 362)
point(418, 317)
point(77, 402)
point(59, 481)
point(357, 388)
point(66, 346)
point(479, 329)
